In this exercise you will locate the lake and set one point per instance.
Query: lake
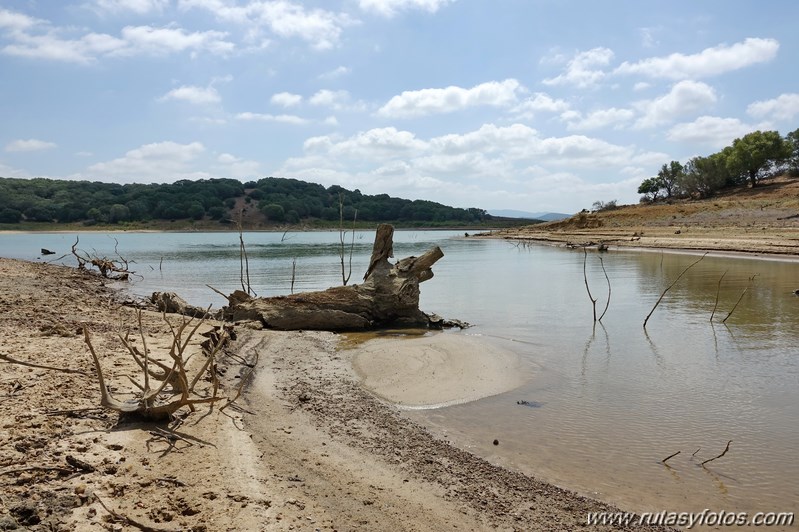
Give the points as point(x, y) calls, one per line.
point(610, 400)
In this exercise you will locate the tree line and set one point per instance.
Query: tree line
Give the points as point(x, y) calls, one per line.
point(279, 200)
point(749, 160)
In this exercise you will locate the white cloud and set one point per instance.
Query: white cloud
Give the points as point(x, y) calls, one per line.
point(539, 102)
point(286, 99)
point(320, 28)
point(598, 119)
point(38, 39)
point(648, 39)
point(375, 144)
point(235, 167)
point(157, 41)
point(192, 94)
point(506, 165)
point(709, 62)
point(684, 98)
point(17, 22)
point(581, 69)
point(140, 7)
point(336, 100)
point(160, 161)
point(29, 145)
point(641, 86)
point(335, 73)
point(710, 131)
point(261, 117)
point(782, 108)
point(433, 101)
point(389, 8)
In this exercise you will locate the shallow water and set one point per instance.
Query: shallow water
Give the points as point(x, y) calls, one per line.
point(613, 399)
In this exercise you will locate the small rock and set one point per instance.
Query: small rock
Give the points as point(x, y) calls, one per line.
point(496, 442)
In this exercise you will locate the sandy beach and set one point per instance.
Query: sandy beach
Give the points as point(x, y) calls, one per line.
point(313, 444)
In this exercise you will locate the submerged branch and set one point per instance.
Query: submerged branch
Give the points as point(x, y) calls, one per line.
point(727, 448)
point(718, 289)
point(670, 287)
point(585, 278)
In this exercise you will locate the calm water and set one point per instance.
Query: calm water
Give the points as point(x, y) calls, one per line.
point(614, 399)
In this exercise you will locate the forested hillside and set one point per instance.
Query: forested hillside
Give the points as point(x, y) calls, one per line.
point(272, 200)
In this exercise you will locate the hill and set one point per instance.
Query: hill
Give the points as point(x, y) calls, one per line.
point(215, 204)
point(764, 219)
point(543, 216)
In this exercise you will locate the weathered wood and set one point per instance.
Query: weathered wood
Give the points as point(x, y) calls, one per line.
point(388, 296)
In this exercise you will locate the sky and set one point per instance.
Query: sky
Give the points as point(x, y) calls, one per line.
point(533, 105)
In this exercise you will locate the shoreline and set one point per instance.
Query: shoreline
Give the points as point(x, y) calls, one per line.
point(305, 447)
point(777, 244)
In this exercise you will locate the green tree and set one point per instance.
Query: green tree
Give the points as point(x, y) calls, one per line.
point(669, 176)
point(118, 213)
point(792, 140)
point(274, 212)
point(704, 176)
point(755, 155)
point(10, 216)
point(650, 188)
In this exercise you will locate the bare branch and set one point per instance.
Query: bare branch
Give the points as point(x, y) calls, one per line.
point(40, 366)
point(740, 298)
point(670, 286)
point(669, 457)
point(727, 448)
point(718, 289)
point(607, 303)
point(585, 278)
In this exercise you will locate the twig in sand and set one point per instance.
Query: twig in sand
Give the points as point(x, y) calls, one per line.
point(696, 452)
point(40, 366)
point(669, 457)
point(129, 520)
point(670, 286)
point(174, 481)
point(727, 448)
point(718, 289)
point(22, 469)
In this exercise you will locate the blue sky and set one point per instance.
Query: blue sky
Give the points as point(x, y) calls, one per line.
point(537, 105)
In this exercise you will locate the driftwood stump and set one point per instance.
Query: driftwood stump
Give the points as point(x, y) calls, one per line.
point(388, 296)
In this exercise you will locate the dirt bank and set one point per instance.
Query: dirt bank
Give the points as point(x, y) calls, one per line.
point(763, 220)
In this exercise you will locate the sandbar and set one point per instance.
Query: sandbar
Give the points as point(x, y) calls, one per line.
point(437, 370)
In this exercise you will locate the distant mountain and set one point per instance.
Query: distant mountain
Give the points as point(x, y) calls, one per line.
point(545, 216)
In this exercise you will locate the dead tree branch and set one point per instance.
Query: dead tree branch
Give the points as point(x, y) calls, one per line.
point(109, 268)
point(585, 278)
point(670, 287)
point(751, 279)
point(181, 388)
point(130, 521)
point(718, 289)
point(11, 360)
point(669, 457)
point(244, 261)
point(607, 303)
point(727, 448)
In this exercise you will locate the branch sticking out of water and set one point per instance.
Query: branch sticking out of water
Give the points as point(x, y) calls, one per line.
point(585, 278)
point(607, 303)
point(718, 289)
point(740, 298)
point(669, 457)
point(670, 287)
point(727, 448)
